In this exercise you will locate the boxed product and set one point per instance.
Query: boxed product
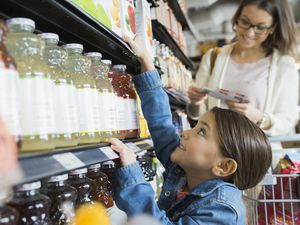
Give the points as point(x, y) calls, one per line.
point(127, 18)
point(143, 23)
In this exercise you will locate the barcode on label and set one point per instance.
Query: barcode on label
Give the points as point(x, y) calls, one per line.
point(111, 154)
point(68, 160)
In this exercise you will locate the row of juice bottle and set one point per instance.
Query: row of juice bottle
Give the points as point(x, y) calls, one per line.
point(53, 96)
point(53, 203)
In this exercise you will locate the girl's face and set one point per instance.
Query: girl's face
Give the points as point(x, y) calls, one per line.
point(253, 27)
point(199, 147)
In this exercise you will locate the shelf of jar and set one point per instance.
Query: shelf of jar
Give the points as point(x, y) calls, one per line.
point(43, 164)
point(73, 25)
point(161, 34)
point(179, 14)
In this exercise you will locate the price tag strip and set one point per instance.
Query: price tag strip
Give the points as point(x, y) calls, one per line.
point(111, 154)
point(68, 161)
point(133, 146)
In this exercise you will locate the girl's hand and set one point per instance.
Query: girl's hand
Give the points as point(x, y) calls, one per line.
point(127, 155)
point(196, 96)
point(246, 109)
point(141, 52)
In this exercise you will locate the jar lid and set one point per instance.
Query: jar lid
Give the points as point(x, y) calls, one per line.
point(57, 178)
point(93, 54)
point(28, 186)
point(73, 45)
point(78, 171)
point(95, 166)
point(49, 36)
point(106, 61)
point(108, 164)
point(119, 67)
point(20, 21)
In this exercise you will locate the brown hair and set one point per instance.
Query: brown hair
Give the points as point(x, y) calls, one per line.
point(243, 141)
point(284, 36)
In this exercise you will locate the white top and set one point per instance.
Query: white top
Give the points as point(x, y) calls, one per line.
point(281, 102)
point(250, 79)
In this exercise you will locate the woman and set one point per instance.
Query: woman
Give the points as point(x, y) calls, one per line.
point(258, 64)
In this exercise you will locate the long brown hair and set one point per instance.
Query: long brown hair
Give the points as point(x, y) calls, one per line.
point(243, 141)
point(284, 36)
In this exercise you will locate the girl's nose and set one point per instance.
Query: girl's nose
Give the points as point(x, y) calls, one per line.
point(185, 134)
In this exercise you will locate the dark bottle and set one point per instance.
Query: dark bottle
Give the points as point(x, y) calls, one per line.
point(108, 168)
point(8, 215)
point(146, 165)
point(85, 186)
point(60, 193)
point(102, 193)
point(34, 207)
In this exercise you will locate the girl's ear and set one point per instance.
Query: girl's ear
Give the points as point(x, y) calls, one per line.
point(225, 168)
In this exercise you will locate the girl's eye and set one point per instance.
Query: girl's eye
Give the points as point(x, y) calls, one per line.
point(202, 132)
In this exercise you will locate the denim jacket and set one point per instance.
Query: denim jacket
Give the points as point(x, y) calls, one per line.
point(212, 202)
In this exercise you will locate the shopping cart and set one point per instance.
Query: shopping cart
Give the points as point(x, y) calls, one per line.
point(276, 200)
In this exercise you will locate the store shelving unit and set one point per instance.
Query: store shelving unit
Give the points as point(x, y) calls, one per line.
point(162, 35)
point(43, 164)
point(174, 5)
point(73, 25)
point(153, 3)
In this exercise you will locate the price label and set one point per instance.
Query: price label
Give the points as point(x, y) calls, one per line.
point(111, 154)
point(68, 160)
point(133, 146)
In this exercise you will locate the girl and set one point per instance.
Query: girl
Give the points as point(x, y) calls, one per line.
point(205, 170)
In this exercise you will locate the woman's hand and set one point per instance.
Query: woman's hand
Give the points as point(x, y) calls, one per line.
point(126, 154)
point(196, 96)
point(246, 109)
point(141, 52)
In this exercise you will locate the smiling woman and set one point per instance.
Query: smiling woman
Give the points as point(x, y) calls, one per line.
point(258, 64)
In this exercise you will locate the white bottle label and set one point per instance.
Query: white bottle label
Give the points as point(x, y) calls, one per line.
point(63, 108)
point(36, 106)
point(96, 108)
point(108, 111)
point(127, 114)
point(133, 117)
point(86, 111)
point(121, 113)
point(9, 93)
point(74, 111)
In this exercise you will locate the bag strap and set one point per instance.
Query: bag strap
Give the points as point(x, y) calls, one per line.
point(213, 58)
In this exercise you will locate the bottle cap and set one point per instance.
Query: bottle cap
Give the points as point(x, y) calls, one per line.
point(95, 166)
point(119, 67)
point(28, 186)
point(49, 36)
point(57, 178)
point(73, 45)
point(20, 21)
point(78, 171)
point(93, 54)
point(106, 61)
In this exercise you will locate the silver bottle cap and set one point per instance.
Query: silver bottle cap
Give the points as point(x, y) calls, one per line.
point(78, 171)
point(93, 54)
point(95, 166)
point(57, 178)
point(29, 186)
point(73, 45)
point(49, 36)
point(119, 67)
point(20, 21)
point(106, 61)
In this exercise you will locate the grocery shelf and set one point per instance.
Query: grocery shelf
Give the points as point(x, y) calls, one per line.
point(73, 25)
point(43, 164)
point(163, 36)
point(174, 5)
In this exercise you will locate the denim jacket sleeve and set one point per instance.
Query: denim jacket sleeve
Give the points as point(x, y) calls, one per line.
point(134, 195)
point(156, 109)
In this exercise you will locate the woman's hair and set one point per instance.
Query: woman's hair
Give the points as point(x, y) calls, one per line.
point(284, 36)
point(243, 141)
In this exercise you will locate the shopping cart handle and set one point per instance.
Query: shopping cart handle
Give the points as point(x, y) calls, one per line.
point(285, 138)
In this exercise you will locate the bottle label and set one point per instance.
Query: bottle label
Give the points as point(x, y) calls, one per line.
point(108, 111)
point(96, 108)
point(74, 111)
point(9, 106)
point(36, 106)
point(121, 113)
point(133, 115)
point(64, 108)
point(86, 111)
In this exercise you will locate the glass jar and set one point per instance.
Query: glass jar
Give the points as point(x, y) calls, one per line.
point(34, 207)
point(79, 66)
point(85, 186)
point(65, 108)
point(106, 96)
point(36, 93)
point(108, 168)
point(8, 215)
point(60, 193)
point(9, 90)
point(101, 194)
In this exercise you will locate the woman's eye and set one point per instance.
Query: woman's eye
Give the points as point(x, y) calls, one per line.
point(202, 132)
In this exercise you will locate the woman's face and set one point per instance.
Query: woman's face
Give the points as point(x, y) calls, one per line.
point(253, 27)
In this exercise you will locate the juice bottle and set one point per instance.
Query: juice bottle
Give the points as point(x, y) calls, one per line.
point(106, 96)
point(101, 194)
point(36, 93)
point(34, 207)
point(8, 215)
point(79, 65)
point(9, 90)
point(60, 193)
point(108, 168)
point(127, 108)
point(85, 186)
point(66, 117)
